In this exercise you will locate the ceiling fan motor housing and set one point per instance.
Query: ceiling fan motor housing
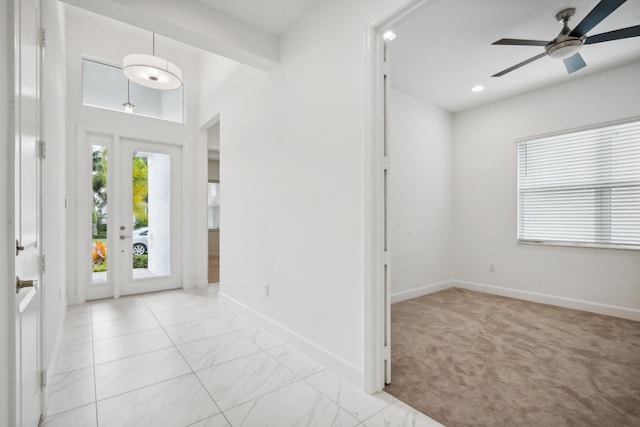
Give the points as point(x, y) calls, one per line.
point(564, 45)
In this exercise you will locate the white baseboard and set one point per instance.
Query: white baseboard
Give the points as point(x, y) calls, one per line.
point(576, 304)
point(418, 292)
point(330, 360)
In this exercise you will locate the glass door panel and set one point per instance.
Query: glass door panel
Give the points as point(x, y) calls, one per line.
point(99, 225)
point(151, 200)
point(149, 218)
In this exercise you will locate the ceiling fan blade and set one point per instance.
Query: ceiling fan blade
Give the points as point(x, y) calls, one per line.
point(523, 63)
point(574, 63)
point(622, 33)
point(597, 14)
point(521, 42)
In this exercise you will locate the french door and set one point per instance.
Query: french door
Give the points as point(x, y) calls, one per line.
point(135, 216)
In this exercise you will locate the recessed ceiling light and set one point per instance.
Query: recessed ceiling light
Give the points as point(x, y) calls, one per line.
point(389, 35)
point(477, 88)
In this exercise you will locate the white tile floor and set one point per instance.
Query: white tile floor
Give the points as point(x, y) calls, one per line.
point(185, 359)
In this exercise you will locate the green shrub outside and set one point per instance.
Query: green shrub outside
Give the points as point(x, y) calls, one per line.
point(140, 261)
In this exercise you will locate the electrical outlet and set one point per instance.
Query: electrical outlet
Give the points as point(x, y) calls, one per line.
point(492, 267)
point(266, 289)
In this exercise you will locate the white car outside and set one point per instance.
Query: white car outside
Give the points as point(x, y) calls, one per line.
point(140, 241)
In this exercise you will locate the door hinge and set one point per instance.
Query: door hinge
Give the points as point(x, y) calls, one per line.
point(386, 162)
point(43, 37)
point(43, 264)
point(19, 247)
point(42, 148)
point(43, 378)
point(386, 256)
point(387, 352)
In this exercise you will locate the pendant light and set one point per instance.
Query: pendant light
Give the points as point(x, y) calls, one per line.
point(151, 70)
point(128, 106)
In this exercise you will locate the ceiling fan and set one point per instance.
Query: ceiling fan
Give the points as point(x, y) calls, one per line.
point(567, 44)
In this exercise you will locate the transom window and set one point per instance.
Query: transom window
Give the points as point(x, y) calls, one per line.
point(581, 188)
point(105, 86)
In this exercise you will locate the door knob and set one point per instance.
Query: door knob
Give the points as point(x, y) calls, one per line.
point(122, 237)
point(24, 284)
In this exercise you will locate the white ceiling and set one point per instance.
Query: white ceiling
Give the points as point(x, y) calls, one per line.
point(444, 48)
point(273, 16)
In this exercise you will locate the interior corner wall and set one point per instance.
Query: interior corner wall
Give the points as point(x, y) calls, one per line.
point(292, 204)
point(485, 205)
point(420, 200)
point(54, 167)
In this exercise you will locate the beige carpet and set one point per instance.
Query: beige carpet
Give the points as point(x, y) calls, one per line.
point(470, 359)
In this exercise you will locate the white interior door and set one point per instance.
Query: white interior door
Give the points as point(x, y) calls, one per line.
point(149, 217)
point(28, 214)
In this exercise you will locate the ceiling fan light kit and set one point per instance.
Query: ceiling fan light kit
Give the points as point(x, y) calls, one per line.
point(567, 44)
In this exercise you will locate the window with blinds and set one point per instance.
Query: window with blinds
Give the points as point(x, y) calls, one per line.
point(581, 188)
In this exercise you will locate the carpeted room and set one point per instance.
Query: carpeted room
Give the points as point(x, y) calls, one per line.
point(469, 358)
point(453, 223)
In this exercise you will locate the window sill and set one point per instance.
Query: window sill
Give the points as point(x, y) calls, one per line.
point(579, 245)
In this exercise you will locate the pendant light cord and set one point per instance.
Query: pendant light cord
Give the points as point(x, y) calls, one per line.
point(153, 44)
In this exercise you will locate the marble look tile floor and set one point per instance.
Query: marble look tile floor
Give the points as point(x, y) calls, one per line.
point(184, 358)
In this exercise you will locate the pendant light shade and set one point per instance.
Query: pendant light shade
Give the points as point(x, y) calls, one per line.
point(152, 71)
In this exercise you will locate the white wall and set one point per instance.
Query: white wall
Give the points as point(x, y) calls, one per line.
point(485, 197)
point(102, 38)
point(293, 143)
point(54, 96)
point(420, 201)
point(6, 267)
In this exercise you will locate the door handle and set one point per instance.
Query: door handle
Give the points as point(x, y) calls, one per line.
point(122, 237)
point(24, 283)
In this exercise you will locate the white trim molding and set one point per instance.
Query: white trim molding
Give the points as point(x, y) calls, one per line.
point(330, 360)
point(374, 293)
point(576, 304)
point(422, 290)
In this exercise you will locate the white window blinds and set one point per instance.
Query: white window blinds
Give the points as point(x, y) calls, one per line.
point(581, 187)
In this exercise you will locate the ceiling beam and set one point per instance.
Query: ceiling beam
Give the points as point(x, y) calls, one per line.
point(194, 24)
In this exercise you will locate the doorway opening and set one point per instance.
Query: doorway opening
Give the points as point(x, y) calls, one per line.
point(377, 363)
point(213, 203)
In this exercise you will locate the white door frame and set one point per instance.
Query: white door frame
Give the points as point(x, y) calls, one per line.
point(83, 205)
point(201, 254)
point(376, 299)
point(11, 392)
point(9, 375)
